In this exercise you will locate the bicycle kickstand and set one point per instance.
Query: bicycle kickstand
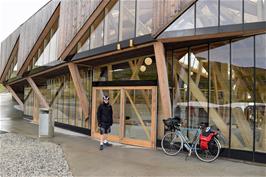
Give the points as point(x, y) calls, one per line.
point(189, 154)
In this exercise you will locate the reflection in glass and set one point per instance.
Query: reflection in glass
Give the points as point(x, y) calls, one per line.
point(127, 19)
point(255, 10)
point(198, 84)
point(231, 12)
point(185, 21)
point(144, 17)
point(219, 78)
point(180, 84)
point(126, 70)
point(111, 24)
point(260, 140)
point(138, 114)
point(207, 13)
point(242, 93)
point(97, 32)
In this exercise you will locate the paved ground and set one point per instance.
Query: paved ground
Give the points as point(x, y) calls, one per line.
point(85, 159)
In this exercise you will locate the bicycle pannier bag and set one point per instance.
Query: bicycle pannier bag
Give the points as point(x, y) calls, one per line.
point(205, 138)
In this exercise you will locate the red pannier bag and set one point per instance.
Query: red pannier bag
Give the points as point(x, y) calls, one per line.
point(205, 139)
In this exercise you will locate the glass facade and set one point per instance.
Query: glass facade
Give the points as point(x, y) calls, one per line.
point(222, 83)
point(260, 93)
point(121, 20)
point(141, 68)
point(47, 52)
point(60, 94)
point(255, 11)
point(216, 13)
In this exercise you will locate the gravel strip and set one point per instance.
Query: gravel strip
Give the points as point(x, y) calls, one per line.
point(24, 156)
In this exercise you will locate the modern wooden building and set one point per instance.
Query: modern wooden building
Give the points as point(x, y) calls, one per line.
point(201, 60)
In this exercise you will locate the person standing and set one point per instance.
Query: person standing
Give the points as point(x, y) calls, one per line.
point(105, 121)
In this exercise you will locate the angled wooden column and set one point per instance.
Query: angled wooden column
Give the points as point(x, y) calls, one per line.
point(79, 88)
point(37, 92)
point(163, 79)
point(15, 96)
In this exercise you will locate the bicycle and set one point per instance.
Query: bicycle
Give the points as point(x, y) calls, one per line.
point(174, 141)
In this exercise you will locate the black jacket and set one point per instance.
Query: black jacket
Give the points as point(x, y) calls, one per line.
point(105, 115)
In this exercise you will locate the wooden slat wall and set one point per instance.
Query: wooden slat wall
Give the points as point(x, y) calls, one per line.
point(73, 15)
point(32, 28)
point(166, 11)
point(6, 48)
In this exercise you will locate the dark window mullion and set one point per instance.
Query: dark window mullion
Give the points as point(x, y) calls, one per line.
point(254, 95)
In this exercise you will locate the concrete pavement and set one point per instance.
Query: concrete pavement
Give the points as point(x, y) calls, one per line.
point(85, 159)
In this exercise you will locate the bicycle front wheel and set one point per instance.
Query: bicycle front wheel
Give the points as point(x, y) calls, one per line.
point(209, 154)
point(171, 143)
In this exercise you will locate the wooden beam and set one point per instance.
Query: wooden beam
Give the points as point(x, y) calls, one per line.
point(15, 96)
point(81, 93)
point(39, 42)
point(9, 61)
point(38, 93)
point(84, 28)
point(163, 79)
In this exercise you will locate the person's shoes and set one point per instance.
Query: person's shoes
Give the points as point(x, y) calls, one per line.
point(107, 144)
point(101, 147)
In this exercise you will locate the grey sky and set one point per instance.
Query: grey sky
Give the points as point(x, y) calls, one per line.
point(15, 12)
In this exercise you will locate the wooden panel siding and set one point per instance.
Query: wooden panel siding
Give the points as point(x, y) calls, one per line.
point(32, 29)
point(73, 15)
point(7, 47)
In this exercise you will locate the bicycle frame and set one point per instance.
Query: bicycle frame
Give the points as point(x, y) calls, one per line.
point(186, 143)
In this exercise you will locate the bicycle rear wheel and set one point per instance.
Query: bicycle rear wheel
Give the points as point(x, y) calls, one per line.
point(171, 143)
point(209, 154)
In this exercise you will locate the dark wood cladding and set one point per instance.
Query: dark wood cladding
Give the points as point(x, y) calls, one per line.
point(32, 28)
point(73, 14)
point(166, 11)
point(7, 47)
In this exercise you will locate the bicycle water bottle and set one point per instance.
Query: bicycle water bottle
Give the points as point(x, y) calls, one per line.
point(186, 146)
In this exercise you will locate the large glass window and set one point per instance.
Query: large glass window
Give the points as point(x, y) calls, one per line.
point(111, 24)
point(97, 33)
point(242, 93)
point(219, 91)
point(231, 12)
point(255, 10)
point(180, 84)
point(198, 85)
point(144, 17)
point(185, 21)
point(48, 50)
point(207, 13)
point(127, 19)
point(64, 100)
point(141, 68)
point(260, 92)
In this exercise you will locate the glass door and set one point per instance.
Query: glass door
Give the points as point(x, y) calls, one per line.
point(134, 114)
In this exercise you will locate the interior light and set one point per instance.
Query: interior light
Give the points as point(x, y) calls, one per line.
point(148, 61)
point(142, 68)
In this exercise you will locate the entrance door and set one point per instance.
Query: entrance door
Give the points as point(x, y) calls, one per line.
point(134, 114)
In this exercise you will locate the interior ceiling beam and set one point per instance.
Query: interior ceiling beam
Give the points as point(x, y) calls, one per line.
point(81, 93)
point(163, 78)
point(15, 96)
point(84, 28)
point(38, 93)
